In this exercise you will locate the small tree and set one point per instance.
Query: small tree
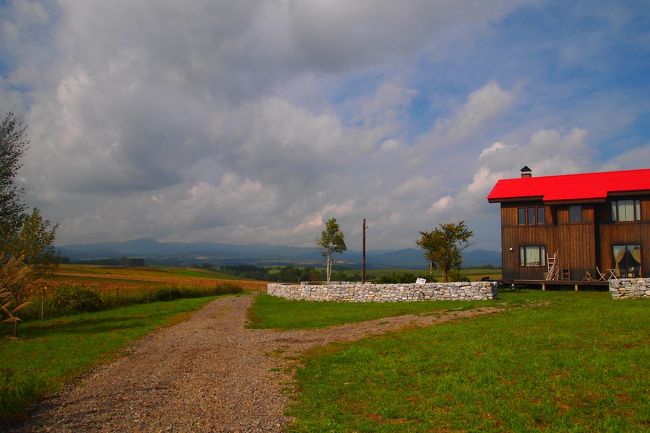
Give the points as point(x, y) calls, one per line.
point(34, 241)
point(331, 241)
point(443, 247)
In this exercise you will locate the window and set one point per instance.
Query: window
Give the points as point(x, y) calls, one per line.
point(575, 214)
point(626, 210)
point(626, 260)
point(532, 255)
point(531, 215)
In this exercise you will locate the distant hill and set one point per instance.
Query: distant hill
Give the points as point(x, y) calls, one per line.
point(182, 253)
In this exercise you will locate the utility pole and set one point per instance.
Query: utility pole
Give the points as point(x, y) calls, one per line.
point(363, 255)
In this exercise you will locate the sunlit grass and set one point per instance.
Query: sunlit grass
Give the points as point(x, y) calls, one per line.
point(275, 312)
point(577, 364)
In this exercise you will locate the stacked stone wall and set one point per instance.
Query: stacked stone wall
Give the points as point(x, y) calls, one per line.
point(629, 288)
point(357, 292)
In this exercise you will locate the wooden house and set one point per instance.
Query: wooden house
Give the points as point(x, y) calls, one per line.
point(574, 228)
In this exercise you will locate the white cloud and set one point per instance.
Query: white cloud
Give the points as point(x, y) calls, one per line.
point(254, 121)
point(441, 204)
point(482, 105)
point(494, 147)
point(637, 157)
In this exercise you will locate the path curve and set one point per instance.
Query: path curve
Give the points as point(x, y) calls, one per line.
point(208, 374)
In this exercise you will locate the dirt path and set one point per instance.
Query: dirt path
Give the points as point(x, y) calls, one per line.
point(209, 374)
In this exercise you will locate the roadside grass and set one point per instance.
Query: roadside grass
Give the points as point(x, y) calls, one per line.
point(51, 352)
point(279, 313)
point(578, 363)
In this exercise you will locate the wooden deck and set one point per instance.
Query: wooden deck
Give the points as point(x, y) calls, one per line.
point(544, 284)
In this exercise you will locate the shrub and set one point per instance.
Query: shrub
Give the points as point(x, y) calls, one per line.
point(170, 294)
point(76, 298)
point(16, 393)
point(227, 288)
point(403, 278)
point(456, 275)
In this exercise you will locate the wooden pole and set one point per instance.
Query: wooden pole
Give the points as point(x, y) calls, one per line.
point(363, 255)
point(43, 302)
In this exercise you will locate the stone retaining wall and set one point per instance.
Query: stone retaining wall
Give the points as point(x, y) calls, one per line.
point(628, 288)
point(357, 292)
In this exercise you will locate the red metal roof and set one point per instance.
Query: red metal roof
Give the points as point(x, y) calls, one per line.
point(571, 187)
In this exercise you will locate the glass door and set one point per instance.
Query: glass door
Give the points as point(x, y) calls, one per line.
point(627, 260)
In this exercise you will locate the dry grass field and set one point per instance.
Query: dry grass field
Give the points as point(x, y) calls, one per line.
point(127, 281)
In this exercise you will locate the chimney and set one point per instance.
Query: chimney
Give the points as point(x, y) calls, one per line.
point(526, 171)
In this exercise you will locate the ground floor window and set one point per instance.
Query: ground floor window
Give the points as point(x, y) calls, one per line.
point(627, 260)
point(532, 255)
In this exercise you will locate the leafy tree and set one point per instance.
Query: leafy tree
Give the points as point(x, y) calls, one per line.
point(34, 242)
point(331, 241)
point(443, 247)
point(13, 143)
point(289, 274)
point(22, 234)
point(27, 252)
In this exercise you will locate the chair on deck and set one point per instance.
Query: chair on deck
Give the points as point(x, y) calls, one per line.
point(601, 276)
point(565, 274)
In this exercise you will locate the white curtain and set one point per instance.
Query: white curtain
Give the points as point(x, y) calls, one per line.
point(636, 255)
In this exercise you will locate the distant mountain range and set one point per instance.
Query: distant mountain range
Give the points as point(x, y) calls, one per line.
point(218, 254)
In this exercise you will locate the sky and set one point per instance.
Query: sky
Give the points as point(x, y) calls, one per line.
point(256, 121)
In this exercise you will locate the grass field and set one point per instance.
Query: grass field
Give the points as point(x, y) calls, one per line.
point(50, 352)
point(279, 313)
point(577, 363)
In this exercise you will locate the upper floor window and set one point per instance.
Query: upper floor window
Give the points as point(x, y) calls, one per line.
point(626, 210)
point(531, 215)
point(575, 214)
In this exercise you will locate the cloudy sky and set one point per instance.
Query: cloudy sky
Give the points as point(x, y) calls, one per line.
point(255, 121)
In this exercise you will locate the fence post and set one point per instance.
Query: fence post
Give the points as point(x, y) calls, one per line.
point(43, 301)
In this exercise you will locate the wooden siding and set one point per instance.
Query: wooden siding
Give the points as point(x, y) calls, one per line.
point(575, 243)
point(625, 234)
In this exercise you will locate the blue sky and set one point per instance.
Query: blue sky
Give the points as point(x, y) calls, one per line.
point(255, 121)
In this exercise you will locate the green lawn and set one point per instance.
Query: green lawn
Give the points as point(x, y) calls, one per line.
point(581, 363)
point(52, 351)
point(275, 312)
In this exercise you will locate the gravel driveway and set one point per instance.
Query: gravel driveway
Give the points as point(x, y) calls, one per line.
point(208, 374)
